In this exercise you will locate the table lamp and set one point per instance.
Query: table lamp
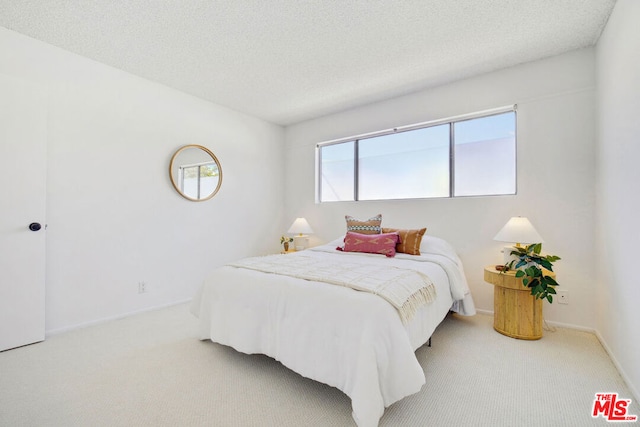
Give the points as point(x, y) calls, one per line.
point(517, 230)
point(300, 227)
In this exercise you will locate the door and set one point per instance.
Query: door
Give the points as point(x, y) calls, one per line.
point(23, 123)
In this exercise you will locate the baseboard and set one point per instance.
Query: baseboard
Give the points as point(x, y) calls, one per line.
point(570, 326)
point(109, 319)
point(484, 312)
point(625, 377)
point(623, 374)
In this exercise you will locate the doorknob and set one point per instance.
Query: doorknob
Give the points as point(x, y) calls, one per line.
point(35, 226)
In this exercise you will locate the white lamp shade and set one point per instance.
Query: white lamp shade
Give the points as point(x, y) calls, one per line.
point(300, 226)
point(518, 230)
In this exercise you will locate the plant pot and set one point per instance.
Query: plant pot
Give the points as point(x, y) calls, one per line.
point(286, 246)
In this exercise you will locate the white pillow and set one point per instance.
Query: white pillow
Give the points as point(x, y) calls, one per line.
point(337, 242)
point(438, 246)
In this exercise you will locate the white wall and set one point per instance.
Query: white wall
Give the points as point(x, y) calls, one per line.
point(556, 116)
point(618, 176)
point(114, 218)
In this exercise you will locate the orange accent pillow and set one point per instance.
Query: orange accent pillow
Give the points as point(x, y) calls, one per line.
point(409, 240)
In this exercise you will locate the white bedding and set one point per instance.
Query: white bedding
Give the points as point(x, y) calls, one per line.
point(351, 340)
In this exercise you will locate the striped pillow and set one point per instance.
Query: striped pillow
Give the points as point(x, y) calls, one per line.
point(409, 240)
point(370, 226)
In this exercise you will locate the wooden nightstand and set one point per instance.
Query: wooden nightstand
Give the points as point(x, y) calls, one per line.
point(517, 313)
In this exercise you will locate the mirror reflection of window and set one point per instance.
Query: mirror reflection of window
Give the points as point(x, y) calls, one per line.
point(200, 180)
point(195, 172)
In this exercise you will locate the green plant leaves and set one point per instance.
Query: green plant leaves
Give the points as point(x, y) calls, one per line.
point(530, 266)
point(546, 264)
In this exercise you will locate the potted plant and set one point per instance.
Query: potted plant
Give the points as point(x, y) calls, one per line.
point(533, 268)
point(285, 240)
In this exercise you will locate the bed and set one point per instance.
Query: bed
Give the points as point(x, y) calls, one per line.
point(352, 340)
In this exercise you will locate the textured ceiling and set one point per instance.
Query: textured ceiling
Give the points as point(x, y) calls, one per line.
point(290, 60)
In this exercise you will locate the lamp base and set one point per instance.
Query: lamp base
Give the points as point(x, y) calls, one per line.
point(300, 242)
point(506, 254)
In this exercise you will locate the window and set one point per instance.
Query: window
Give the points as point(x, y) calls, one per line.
point(485, 155)
point(337, 172)
point(468, 156)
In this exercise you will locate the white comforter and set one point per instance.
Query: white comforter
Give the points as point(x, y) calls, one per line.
point(351, 340)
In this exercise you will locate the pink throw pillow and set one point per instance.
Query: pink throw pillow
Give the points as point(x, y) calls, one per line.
point(384, 244)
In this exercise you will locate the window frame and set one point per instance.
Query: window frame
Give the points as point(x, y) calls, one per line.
point(450, 121)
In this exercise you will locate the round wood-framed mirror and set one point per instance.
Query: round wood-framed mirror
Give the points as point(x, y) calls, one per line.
point(195, 173)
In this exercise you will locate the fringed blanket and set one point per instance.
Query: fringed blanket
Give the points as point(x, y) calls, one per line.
point(405, 289)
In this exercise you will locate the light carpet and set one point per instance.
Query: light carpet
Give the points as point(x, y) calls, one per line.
point(151, 370)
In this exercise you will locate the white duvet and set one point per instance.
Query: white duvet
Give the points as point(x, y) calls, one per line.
point(354, 341)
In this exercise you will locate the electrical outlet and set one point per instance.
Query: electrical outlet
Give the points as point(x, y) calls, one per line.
point(142, 287)
point(563, 297)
